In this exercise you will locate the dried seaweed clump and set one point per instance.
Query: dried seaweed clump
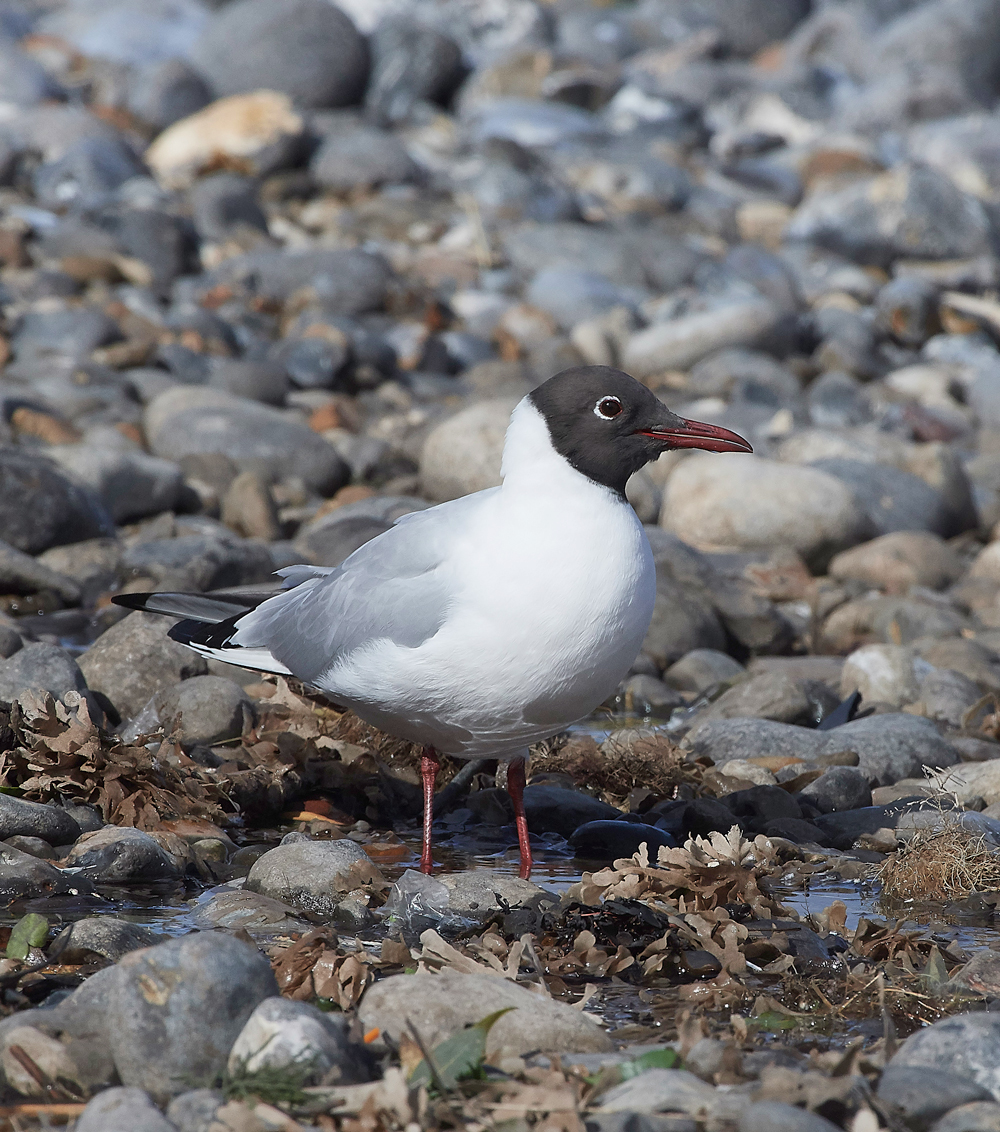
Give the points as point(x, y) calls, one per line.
point(620, 765)
point(946, 864)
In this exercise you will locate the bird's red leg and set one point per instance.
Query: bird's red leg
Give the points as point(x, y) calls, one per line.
point(428, 773)
point(515, 788)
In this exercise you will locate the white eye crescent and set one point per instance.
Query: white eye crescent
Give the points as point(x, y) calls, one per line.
point(608, 408)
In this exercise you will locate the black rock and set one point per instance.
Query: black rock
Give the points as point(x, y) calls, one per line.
point(609, 840)
point(411, 63)
point(839, 788)
point(224, 203)
point(555, 809)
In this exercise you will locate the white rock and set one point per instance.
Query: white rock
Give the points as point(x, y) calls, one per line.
point(683, 341)
point(237, 127)
point(882, 674)
point(732, 502)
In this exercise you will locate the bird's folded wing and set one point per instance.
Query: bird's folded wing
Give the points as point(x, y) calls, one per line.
point(394, 587)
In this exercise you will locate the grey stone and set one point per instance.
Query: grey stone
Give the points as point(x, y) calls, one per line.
point(101, 935)
point(479, 893)
point(908, 310)
point(645, 695)
point(775, 1116)
point(835, 401)
point(133, 659)
point(21, 818)
point(177, 1008)
point(774, 695)
point(355, 156)
point(240, 909)
point(281, 1034)
point(223, 204)
point(922, 1094)
point(892, 746)
point(976, 1116)
point(194, 1111)
point(167, 91)
point(24, 875)
point(127, 31)
point(43, 666)
point(897, 214)
point(701, 669)
point(307, 49)
point(894, 562)
point(571, 295)
point(894, 500)
point(411, 63)
point(644, 259)
point(345, 280)
point(130, 485)
point(34, 846)
point(313, 876)
point(530, 123)
point(122, 855)
point(86, 174)
point(122, 1110)
point(447, 1002)
point(725, 739)
point(328, 540)
point(683, 621)
point(266, 382)
point(186, 421)
point(214, 560)
point(41, 507)
point(839, 788)
point(205, 710)
point(23, 81)
point(967, 1046)
point(10, 641)
point(947, 695)
point(22, 574)
point(660, 1090)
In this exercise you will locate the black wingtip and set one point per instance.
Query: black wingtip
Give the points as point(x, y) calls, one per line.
point(131, 601)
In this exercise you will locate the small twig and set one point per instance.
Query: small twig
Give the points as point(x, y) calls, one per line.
point(425, 1050)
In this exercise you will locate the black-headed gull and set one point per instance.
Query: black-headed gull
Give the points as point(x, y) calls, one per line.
point(484, 624)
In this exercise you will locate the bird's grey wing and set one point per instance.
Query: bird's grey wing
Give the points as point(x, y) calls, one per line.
point(393, 587)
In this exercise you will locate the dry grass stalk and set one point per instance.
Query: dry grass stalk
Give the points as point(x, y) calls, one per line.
point(616, 769)
point(945, 864)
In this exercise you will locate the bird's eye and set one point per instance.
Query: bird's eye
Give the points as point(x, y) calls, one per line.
point(608, 408)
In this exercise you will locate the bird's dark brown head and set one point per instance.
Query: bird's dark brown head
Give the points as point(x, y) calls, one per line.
point(608, 425)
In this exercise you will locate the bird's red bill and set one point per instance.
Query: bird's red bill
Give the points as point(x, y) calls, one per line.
point(695, 434)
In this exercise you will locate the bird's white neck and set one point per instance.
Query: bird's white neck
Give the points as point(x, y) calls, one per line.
point(530, 461)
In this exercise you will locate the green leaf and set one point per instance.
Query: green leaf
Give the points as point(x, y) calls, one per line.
point(655, 1059)
point(30, 931)
point(612, 1075)
point(775, 1020)
point(459, 1056)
